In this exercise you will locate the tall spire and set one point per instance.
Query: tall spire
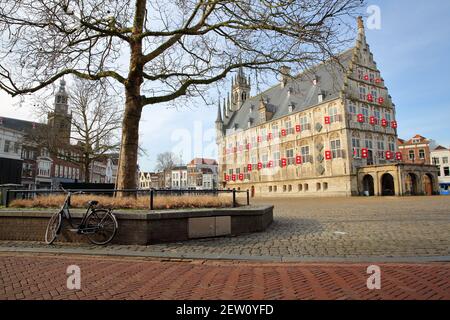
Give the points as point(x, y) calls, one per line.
point(219, 114)
point(360, 23)
point(361, 31)
point(225, 113)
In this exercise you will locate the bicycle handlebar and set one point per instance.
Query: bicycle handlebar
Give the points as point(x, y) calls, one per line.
point(72, 193)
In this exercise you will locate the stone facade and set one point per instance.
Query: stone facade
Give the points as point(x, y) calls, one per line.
point(311, 134)
point(398, 179)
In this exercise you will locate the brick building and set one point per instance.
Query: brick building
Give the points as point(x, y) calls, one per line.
point(416, 150)
point(330, 131)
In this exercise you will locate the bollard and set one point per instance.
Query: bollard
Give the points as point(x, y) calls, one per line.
point(248, 198)
point(234, 198)
point(151, 199)
point(7, 199)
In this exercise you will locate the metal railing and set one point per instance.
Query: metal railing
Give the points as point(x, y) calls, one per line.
point(12, 195)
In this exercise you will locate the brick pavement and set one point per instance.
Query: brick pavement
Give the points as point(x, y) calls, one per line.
point(44, 277)
point(313, 228)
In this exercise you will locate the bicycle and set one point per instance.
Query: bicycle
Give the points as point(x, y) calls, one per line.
point(99, 225)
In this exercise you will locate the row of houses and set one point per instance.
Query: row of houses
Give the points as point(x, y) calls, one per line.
point(198, 174)
point(25, 161)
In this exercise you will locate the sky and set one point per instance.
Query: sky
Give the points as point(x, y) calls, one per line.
point(411, 49)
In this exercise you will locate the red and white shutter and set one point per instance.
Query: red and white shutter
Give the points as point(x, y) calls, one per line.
point(360, 118)
point(394, 124)
point(364, 153)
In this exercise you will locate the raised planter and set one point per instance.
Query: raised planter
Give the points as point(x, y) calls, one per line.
point(144, 227)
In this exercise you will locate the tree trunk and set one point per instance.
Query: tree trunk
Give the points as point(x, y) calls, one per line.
point(127, 175)
point(87, 172)
point(130, 141)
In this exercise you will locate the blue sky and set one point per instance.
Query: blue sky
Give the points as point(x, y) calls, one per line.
point(411, 49)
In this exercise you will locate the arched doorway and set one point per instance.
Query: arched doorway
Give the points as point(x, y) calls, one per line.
point(411, 184)
point(253, 191)
point(427, 181)
point(387, 185)
point(368, 185)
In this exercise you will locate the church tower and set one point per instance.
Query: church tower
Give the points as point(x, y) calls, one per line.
point(240, 90)
point(60, 120)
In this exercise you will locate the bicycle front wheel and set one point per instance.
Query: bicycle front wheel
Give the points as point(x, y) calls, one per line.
point(53, 227)
point(104, 226)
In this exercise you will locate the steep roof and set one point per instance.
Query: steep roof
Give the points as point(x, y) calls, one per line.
point(301, 92)
point(203, 161)
point(440, 148)
point(19, 125)
point(417, 136)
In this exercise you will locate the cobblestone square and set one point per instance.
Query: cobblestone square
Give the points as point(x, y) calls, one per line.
point(317, 228)
point(341, 227)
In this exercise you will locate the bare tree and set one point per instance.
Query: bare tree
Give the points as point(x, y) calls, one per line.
point(170, 49)
point(166, 161)
point(96, 119)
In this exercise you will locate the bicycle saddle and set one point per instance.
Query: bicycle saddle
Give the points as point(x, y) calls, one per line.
point(93, 203)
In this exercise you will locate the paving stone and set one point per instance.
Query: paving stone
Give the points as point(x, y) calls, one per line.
point(135, 278)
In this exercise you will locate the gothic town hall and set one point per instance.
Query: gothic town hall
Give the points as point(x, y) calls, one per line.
point(330, 131)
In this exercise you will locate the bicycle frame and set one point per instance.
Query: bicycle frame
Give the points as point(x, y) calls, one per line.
point(65, 210)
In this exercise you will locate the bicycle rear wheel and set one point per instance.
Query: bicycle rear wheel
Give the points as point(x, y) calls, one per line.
point(53, 228)
point(104, 224)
